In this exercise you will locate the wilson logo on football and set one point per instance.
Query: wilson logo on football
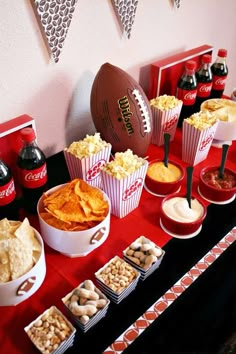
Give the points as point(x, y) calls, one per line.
point(129, 192)
point(171, 122)
point(206, 142)
point(94, 171)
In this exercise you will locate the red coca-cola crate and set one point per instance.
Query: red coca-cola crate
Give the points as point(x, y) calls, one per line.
point(10, 142)
point(165, 73)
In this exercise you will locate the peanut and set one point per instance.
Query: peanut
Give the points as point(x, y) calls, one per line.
point(143, 252)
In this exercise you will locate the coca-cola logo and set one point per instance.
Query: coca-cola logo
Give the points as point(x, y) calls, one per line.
point(10, 189)
point(206, 142)
point(171, 122)
point(205, 88)
point(190, 96)
point(31, 176)
point(132, 189)
point(220, 81)
point(94, 171)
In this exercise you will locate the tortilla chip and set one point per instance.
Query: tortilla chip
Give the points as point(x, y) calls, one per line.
point(20, 258)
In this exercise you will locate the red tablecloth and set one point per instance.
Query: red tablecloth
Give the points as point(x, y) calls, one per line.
point(63, 273)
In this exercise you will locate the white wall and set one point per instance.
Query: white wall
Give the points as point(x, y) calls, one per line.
point(58, 95)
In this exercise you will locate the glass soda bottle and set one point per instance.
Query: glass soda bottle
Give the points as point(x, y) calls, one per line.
point(8, 203)
point(32, 170)
point(187, 91)
point(204, 81)
point(219, 72)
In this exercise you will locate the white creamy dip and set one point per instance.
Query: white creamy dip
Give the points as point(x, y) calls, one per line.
point(178, 209)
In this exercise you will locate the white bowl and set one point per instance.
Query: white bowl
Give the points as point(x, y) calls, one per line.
point(74, 243)
point(20, 289)
point(225, 110)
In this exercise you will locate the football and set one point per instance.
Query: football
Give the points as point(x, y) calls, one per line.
point(120, 110)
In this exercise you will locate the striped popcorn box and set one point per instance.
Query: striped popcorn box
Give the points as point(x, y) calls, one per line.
point(196, 142)
point(165, 111)
point(88, 168)
point(125, 193)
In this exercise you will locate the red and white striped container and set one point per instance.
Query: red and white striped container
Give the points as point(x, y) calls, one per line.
point(196, 143)
point(164, 121)
point(88, 168)
point(125, 193)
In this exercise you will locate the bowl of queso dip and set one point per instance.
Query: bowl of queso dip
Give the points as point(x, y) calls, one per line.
point(180, 220)
point(161, 180)
point(216, 189)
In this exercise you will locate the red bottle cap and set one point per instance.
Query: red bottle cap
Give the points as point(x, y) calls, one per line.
point(27, 134)
point(206, 58)
point(190, 65)
point(222, 53)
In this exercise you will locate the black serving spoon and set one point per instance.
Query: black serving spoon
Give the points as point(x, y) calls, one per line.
point(166, 148)
point(225, 148)
point(189, 171)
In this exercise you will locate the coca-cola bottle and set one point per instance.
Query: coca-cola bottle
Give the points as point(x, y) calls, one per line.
point(32, 170)
point(219, 72)
point(204, 81)
point(8, 203)
point(187, 91)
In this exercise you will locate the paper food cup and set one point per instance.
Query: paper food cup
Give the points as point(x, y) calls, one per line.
point(196, 143)
point(164, 121)
point(88, 168)
point(124, 194)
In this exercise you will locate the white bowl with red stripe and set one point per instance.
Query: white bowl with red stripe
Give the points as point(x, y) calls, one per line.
point(74, 243)
point(15, 291)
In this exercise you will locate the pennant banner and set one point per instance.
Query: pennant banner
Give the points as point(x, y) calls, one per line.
point(126, 11)
point(177, 3)
point(55, 17)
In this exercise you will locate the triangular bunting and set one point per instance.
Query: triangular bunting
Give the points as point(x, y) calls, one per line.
point(177, 4)
point(126, 10)
point(55, 17)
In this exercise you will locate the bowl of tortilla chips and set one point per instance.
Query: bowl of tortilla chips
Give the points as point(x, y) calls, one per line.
point(74, 218)
point(22, 261)
point(225, 110)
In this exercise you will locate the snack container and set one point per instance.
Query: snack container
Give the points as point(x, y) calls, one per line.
point(20, 289)
point(64, 337)
point(144, 250)
point(118, 289)
point(125, 193)
point(164, 121)
point(87, 321)
point(88, 168)
point(74, 243)
point(196, 143)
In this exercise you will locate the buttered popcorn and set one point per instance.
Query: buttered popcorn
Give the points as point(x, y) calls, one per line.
point(202, 120)
point(124, 164)
point(91, 144)
point(165, 102)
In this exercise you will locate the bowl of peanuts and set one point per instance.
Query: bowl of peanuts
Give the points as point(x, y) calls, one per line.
point(144, 255)
point(117, 279)
point(86, 305)
point(58, 332)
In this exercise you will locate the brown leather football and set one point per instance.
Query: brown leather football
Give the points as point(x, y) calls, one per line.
point(121, 110)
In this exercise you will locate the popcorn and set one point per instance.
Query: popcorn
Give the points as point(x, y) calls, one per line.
point(91, 144)
point(165, 102)
point(198, 133)
point(165, 111)
point(124, 164)
point(202, 120)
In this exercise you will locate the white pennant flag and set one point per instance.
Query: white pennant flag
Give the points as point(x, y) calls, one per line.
point(126, 11)
point(55, 17)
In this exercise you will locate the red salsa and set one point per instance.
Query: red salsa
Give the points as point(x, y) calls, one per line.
point(212, 178)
